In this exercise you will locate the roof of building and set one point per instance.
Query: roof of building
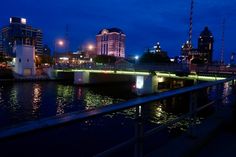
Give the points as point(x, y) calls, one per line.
point(206, 32)
point(111, 30)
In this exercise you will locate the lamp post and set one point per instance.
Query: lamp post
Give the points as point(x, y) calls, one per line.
point(136, 59)
point(90, 50)
point(57, 42)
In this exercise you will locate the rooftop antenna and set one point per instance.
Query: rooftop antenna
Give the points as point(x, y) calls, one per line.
point(222, 42)
point(67, 39)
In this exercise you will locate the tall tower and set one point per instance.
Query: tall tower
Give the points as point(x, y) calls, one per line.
point(187, 47)
point(205, 45)
point(191, 22)
point(223, 43)
point(67, 40)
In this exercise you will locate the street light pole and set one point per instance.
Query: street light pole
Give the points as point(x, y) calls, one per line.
point(59, 43)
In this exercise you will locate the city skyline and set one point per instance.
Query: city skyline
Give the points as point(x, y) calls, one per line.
point(144, 23)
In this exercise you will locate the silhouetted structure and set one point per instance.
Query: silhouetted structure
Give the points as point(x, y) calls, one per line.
point(205, 45)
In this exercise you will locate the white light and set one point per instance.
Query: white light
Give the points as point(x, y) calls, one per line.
point(14, 61)
point(91, 59)
point(139, 82)
point(104, 31)
point(10, 20)
point(64, 58)
point(23, 21)
point(136, 57)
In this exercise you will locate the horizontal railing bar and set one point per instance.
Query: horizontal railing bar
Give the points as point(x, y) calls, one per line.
point(77, 116)
point(205, 106)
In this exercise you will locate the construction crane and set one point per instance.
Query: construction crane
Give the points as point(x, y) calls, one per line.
point(67, 45)
point(191, 22)
point(222, 43)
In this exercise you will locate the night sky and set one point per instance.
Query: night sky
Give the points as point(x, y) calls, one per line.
point(144, 21)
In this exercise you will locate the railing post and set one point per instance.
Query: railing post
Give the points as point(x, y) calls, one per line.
point(218, 97)
point(193, 114)
point(233, 86)
point(139, 132)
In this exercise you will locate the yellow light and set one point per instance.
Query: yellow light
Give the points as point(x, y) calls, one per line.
point(160, 79)
point(90, 47)
point(60, 42)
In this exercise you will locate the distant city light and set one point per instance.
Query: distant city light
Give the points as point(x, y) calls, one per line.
point(23, 20)
point(64, 58)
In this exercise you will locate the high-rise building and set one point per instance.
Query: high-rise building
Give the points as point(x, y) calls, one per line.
point(111, 42)
point(205, 45)
point(19, 33)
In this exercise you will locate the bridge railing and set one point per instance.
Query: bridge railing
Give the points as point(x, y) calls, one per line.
point(138, 104)
point(130, 67)
point(170, 67)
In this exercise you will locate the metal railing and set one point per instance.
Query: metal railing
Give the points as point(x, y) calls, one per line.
point(138, 104)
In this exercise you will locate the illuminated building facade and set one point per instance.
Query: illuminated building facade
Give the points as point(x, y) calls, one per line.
point(71, 59)
point(111, 42)
point(19, 33)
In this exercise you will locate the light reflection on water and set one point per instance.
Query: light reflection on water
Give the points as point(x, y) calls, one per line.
point(26, 101)
point(36, 97)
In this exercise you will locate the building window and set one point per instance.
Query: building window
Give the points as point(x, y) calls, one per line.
point(107, 49)
point(19, 60)
point(104, 49)
point(101, 49)
point(27, 60)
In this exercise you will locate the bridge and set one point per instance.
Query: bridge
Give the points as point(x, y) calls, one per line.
point(146, 77)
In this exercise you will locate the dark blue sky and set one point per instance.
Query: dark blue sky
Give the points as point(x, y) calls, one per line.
point(144, 21)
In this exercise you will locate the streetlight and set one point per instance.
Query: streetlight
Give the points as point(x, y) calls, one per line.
point(136, 58)
point(60, 43)
point(90, 50)
point(90, 47)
